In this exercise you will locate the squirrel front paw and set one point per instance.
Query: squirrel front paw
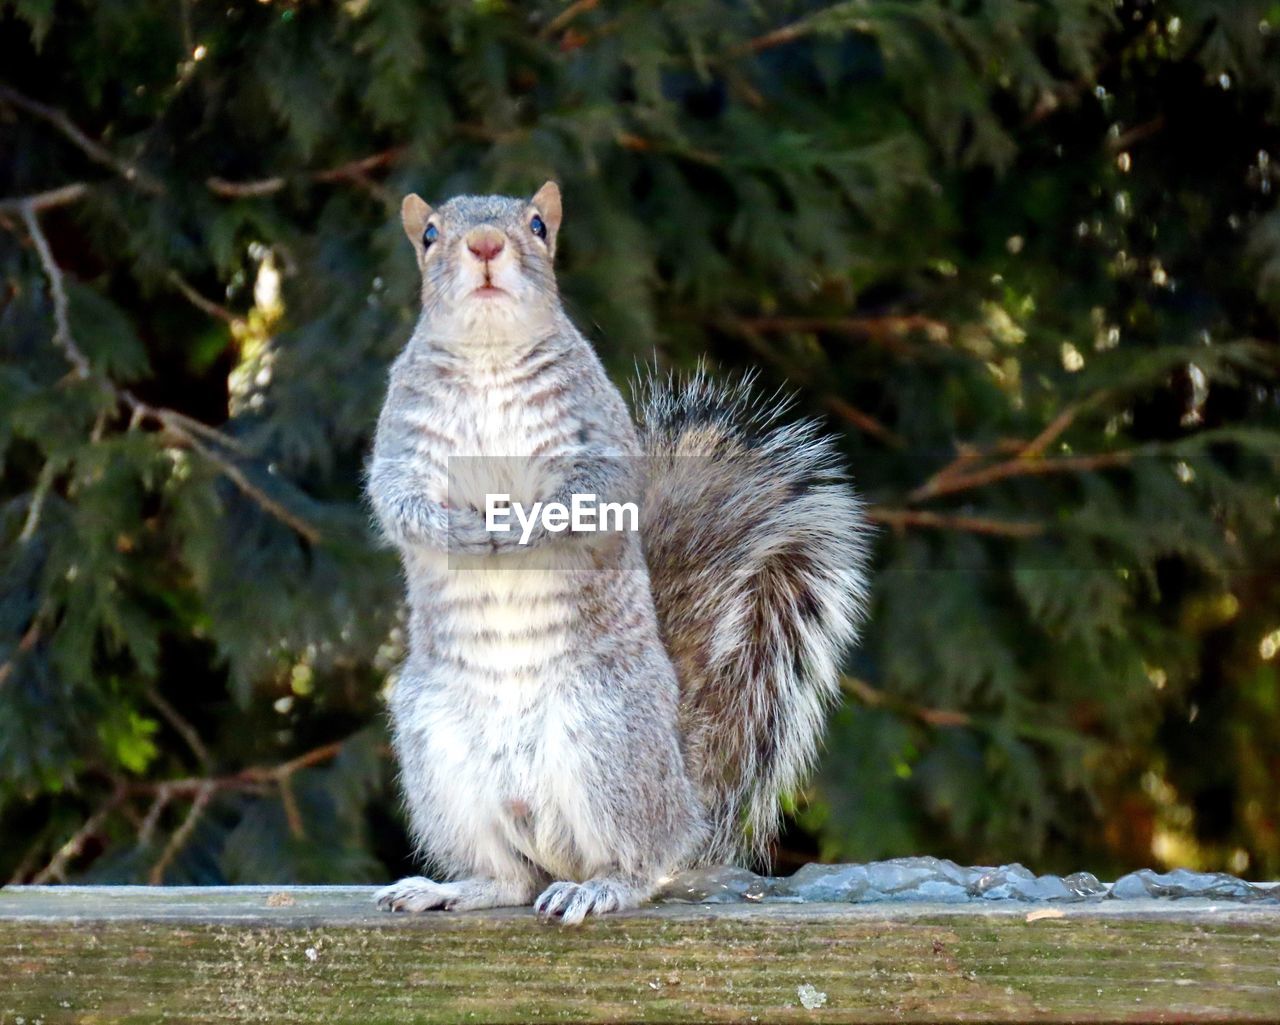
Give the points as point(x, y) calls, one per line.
point(466, 533)
point(417, 893)
point(573, 902)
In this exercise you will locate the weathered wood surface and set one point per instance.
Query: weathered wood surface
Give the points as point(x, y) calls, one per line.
point(323, 954)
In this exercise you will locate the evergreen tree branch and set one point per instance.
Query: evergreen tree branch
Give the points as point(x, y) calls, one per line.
point(95, 151)
point(181, 427)
point(351, 171)
point(901, 519)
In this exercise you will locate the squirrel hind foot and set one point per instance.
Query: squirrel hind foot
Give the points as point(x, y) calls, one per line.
point(572, 902)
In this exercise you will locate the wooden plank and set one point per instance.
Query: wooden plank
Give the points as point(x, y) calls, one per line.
point(323, 954)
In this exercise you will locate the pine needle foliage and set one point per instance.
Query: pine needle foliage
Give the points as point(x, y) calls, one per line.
point(1023, 254)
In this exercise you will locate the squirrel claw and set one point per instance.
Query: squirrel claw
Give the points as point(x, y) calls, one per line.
point(573, 902)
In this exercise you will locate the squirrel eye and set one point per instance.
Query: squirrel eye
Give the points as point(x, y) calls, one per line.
point(430, 235)
point(538, 227)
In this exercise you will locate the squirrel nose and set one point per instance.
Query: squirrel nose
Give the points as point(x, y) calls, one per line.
point(485, 243)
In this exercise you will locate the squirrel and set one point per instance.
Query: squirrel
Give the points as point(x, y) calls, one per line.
point(579, 715)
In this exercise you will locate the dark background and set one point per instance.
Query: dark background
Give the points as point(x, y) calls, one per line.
point(1024, 257)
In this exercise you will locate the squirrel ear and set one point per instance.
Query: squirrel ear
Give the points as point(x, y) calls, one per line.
point(414, 212)
point(547, 202)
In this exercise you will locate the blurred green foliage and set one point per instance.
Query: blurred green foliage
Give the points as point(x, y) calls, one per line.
point(1024, 254)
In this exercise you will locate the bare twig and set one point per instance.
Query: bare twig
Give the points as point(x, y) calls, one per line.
point(28, 860)
point(61, 316)
point(570, 12)
point(865, 422)
point(315, 756)
point(777, 37)
point(1022, 458)
point(95, 151)
point(202, 790)
point(1037, 445)
point(845, 410)
point(159, 803)
point(69, 851)
point(967, 456)
point(352, 170)
point(292, 814)
point(258, 779)
point(238, 477)
point(255, 777)
point(875, 698)
point(213, 309)
point(1056, 427)
point(884, 330)
point(181, 835)
point(1136, 134)
point(46, 200)
point(957, 481)
point(179, 427)
point(41, 491)
point(643, 144)
point(245, 190)
point(355, 170)
point(904, 518)
point(181, 726)
point(25, 644)
point(210, 434)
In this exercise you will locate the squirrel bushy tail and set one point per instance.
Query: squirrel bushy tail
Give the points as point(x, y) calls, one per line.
point(757, 550)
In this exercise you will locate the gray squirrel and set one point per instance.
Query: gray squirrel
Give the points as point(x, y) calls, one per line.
point(581, 715)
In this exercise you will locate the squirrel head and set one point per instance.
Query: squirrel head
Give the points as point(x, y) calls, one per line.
point(486, 261)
